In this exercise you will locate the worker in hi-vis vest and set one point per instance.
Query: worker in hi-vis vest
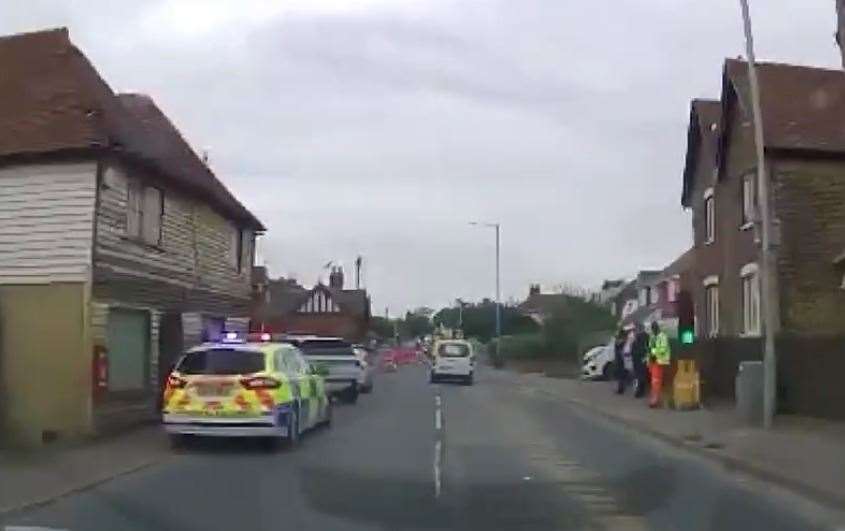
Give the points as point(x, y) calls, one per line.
point(660, 355)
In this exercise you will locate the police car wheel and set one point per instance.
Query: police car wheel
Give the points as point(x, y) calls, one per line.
point(293, 429)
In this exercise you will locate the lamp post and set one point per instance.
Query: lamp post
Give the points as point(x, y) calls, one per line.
point(768, 263)
point(498, 281)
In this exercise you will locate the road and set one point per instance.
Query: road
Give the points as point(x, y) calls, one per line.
point(494, 456)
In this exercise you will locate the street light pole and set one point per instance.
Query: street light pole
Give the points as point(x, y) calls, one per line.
point(496, 226)
point(768, 264)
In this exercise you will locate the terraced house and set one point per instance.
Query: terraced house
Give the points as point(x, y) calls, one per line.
point(803, 110)
point(118, 246)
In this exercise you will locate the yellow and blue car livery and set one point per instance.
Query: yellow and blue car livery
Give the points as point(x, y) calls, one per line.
point(244, 389)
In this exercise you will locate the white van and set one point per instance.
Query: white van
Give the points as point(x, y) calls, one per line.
point(453, 358)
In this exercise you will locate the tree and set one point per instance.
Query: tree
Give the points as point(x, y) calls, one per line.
point(479, 320)
point(381, 326)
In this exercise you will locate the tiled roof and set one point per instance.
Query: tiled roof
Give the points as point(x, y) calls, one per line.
point(53, 101)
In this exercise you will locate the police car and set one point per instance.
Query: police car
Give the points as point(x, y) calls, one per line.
point(252, 387)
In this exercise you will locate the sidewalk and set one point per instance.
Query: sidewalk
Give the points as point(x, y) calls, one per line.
point(802, 454)
point(30, 478)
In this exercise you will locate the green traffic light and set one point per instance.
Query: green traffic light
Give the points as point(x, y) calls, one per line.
point(687, 337)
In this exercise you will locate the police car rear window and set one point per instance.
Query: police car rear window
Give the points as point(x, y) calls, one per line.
point(222, 361)
point(453, 350)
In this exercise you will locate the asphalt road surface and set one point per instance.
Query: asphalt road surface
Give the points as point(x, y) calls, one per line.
point(493, 456)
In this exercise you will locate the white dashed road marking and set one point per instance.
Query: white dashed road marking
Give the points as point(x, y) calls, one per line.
point(438, 444)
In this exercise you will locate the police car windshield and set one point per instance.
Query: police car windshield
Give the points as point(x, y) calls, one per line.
point(453, 350)
point(221, 361)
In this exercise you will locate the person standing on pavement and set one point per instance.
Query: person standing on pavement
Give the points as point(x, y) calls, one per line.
point(619, 361)
point(639, 357)
point(625, 371)
point(660, 356)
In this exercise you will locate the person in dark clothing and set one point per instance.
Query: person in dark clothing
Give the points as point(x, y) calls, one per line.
point(639, 353)
point(619, 362)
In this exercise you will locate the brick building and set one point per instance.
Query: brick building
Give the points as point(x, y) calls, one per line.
point(283, 305)
point(803, 110)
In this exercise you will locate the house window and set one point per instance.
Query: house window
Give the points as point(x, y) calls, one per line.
point(750, 300)
point(144, 210)
point(711, 301)
point(749, 201)
point(655, 295)
point(709, 216)
point(236, 248)
point(672, 290)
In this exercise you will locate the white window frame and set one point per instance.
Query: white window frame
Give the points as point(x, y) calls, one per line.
point(750, 299)
point(709, 216)
point(748, 193)
point(711, 303)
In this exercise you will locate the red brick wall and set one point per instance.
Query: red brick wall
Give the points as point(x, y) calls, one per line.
point(732, 248)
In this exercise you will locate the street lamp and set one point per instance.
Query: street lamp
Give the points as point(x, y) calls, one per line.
point(498, 281)
point(768, 262)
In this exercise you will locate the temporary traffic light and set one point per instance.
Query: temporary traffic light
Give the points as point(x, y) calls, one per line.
point(686, 318)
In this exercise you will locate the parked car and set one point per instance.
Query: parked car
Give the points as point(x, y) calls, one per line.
point(598, 363)
point(365, 380)
point(336, 355)
point(453, 358)
point(236, 388)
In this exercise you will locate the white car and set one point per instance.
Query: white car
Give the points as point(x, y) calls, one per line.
point(598, 363)
point(453, 358)
point(365, 379)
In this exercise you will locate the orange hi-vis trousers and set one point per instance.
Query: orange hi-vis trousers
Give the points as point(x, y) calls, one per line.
point(656, 372)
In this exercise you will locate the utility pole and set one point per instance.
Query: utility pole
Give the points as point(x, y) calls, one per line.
point(768, 264)
point(496, 226)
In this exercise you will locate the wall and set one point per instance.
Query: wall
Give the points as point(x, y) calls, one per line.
point(809, 370)
point(45, 362)
point(113, 412)
point(46, 222)
point(811, 208)
point(189, 270)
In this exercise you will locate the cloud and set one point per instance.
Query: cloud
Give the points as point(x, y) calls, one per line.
point(382, 127)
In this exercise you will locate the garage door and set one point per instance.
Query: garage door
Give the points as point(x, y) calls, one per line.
point(128, 342)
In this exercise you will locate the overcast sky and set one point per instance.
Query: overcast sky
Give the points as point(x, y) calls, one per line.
point(382, 127)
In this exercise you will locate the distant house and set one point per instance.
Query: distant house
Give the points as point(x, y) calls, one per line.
point(540, 306)
point(118, 245)
point(328, 310)
point(609, 290)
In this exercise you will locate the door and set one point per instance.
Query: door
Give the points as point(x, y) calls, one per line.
point(128, 343)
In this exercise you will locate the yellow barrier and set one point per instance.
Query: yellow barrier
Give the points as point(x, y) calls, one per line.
point(686, 386)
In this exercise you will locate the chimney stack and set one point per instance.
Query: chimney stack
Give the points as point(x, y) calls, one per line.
point(533, 289)
point(336, 278)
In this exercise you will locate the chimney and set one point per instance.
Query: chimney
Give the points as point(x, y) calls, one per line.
point(336, 278)
point(840, 28)
point(533, 289)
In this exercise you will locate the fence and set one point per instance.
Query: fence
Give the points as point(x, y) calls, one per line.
point(809, 370)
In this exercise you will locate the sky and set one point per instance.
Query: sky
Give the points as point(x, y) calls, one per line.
point(381, 128)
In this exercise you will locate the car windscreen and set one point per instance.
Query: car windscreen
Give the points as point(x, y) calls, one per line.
point(328, 347)
point(453, 350)
point(221, 361)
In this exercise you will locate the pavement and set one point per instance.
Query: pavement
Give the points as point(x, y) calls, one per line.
point(506, 453)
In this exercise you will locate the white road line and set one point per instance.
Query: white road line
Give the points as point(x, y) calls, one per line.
point(437, 449)
point(31, 528)
point(438, 421)
point(437, 400)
